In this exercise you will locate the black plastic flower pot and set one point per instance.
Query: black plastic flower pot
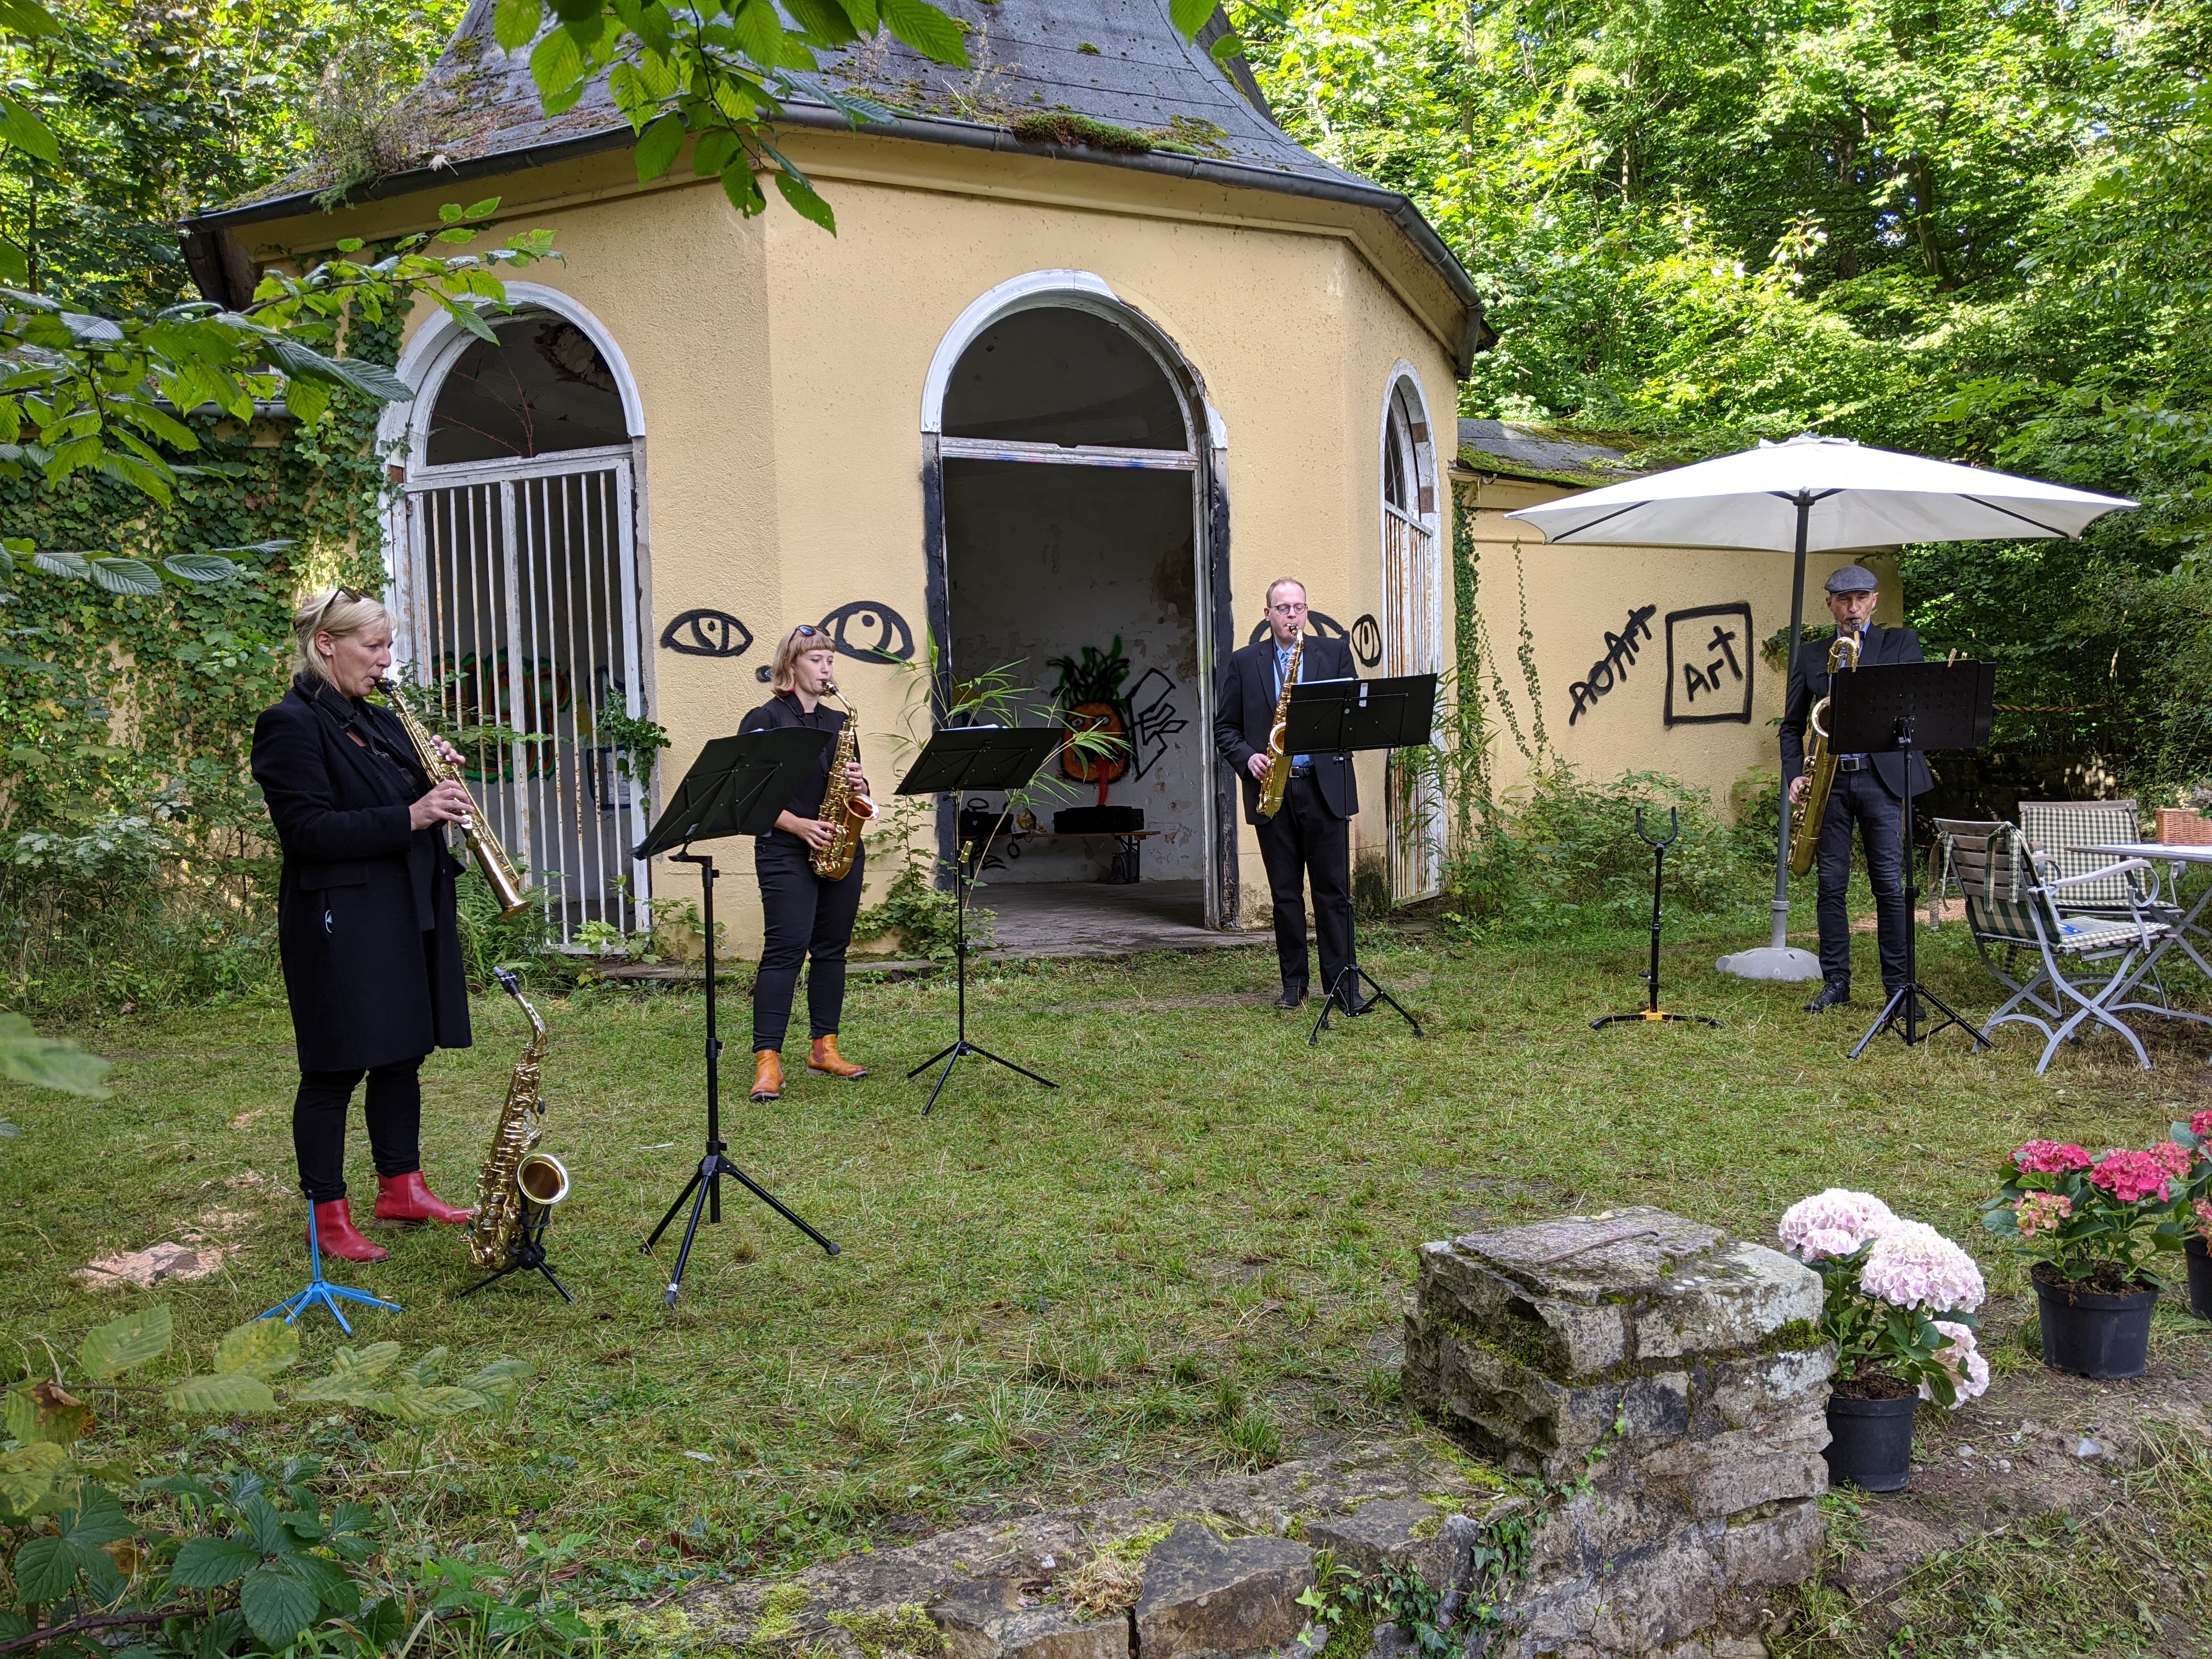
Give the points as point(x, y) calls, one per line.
point(2200, 1278)
point(2095, 1335)
point(1870, 1443)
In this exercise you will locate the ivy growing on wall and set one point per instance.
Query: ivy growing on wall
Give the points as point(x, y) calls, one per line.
point(132, 864)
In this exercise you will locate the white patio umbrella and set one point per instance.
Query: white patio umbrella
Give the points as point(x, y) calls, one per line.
point(1816, 495)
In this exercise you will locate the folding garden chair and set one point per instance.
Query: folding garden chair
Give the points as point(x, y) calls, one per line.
point(2060, 831)
point(2020, 910)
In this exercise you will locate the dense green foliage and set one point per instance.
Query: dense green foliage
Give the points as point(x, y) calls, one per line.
point(1966, 228)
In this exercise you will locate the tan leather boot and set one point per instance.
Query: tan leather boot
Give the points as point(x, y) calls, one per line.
point(824, 1058)
point(768, 1074)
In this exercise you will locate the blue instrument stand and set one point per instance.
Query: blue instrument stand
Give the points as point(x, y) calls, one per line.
point(320, 1289)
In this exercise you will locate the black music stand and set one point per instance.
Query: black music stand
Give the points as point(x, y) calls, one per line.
point(1908, 709)
point(958, 761)
point(736, 787)
point(1327, 717)
point(1651, 1013)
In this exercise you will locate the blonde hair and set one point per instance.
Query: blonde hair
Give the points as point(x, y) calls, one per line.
point(1283, 581)
point(794, 645)
point(336, 611)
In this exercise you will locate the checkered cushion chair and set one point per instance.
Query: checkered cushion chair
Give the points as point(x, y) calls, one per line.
point(2060, 831)
point(2069, 966)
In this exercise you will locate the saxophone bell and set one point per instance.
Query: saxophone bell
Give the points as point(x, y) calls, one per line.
point(543, 1179)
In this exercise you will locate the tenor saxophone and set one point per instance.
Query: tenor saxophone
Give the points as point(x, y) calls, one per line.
point(844, 809)
point(1820, 761)
point(1278, 780)
point(515, 1175)
point(499, 872)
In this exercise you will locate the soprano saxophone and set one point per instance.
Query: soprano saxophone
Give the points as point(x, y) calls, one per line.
point(844, 809)
point(515, 1175)
point(1819, 762)
point(499, 872)
point(1278, 780)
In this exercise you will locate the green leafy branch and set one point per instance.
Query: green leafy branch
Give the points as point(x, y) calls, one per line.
point(48, 1062)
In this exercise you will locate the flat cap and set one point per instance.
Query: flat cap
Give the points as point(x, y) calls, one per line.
point(1853, 579)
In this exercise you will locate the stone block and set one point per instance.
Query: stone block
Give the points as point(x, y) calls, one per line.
point(1726, 1301)
point(1635, 1602)
point(1741, 1469)
point(1399, 1532)
point(1203, 1596)
point(1743, 1394)
point(992, 1618)
point(1780, 1545)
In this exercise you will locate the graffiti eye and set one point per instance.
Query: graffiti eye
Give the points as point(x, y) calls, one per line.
point(870, 631)
point(706, 633)
point(1367, 642)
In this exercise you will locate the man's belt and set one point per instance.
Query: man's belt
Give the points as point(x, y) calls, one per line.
point(1853, 764)
point(1302, 771)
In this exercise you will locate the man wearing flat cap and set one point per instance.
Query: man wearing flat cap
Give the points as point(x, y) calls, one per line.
point(1869, 792)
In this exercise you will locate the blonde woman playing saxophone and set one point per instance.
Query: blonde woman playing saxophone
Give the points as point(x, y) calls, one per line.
point(804, 915)
point(365, 920)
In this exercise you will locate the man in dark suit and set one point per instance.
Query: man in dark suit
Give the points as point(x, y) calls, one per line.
point(1869, 791)
point(1311, 837)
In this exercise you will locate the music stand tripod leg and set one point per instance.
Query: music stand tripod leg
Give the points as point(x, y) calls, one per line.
point(1356, 974)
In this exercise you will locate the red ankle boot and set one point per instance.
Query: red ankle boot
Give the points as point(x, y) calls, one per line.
point(337, 1235)
point(406, 1198)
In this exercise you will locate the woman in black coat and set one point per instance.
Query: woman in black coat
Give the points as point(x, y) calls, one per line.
point(364, 916)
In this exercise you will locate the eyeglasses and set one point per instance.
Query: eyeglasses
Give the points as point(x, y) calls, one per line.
point(337, 593)
point(1288, 610)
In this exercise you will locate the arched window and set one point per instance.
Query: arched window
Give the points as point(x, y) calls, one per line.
point(1412, 631)
point(517, 578)
point(539, 389)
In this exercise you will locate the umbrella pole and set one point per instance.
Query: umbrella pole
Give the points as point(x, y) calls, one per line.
point(1779, 959)
point(1781, 940)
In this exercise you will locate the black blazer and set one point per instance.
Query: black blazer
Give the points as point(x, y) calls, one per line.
point(364, 918)
point(1809, 684)
point(1245, 709)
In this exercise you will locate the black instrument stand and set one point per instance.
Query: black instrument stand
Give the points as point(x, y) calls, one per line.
point(735, 787)
point(955, 762)
point(527, 1252)
point(965, 884)
point(1901, 708)
point(1327, 717)
point(1651, 1013)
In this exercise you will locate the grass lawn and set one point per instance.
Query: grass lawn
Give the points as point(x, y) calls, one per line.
point(1190, 1254)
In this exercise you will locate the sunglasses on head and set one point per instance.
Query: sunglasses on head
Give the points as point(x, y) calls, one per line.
point(322, 615)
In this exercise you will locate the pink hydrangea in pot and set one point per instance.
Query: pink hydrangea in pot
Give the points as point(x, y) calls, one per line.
point(1898, 1305)
point(2192, 1141)
point(2092, 1228)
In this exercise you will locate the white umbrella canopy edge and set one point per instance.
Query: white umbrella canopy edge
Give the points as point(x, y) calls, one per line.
point(1814, 493)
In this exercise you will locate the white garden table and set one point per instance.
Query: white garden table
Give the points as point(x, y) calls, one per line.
point(2174, 856)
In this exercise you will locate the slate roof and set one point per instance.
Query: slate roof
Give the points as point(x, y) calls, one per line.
point(1513, 449)
point(1117, 62)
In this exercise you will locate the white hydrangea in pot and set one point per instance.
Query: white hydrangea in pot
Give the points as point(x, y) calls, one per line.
point(1899, 1304)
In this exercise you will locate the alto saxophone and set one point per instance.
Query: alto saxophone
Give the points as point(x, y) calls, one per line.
point(1278, 780)
point(515, 1175)
point(499, 871)
point(844, 809)
point(1819, 762)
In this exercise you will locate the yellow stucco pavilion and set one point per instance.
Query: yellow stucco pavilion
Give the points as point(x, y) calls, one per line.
point(1036, 396)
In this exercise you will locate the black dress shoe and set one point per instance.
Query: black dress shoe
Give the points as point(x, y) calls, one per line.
point(1352, 1003)
point(1835, 993)
point(1293, 996)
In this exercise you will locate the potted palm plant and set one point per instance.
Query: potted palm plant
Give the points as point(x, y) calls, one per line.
point(2194, 1137)
point(2090, 1227)
point(1898, 1305)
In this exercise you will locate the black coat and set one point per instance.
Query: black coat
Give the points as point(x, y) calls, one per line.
point(1809, 684)
point(1245, 710)
point(364, 918)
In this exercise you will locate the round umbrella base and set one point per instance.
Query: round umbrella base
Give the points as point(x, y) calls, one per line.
point(1785, 963)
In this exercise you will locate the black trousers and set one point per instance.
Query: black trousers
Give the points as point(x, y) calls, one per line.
point(1303, 842)
point(806, 917)
point(1863, 800)
point(393, 1109)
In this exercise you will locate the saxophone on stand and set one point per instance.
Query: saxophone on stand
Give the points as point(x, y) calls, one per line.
point(844, 809)
point(518, 1183)
point(1820, 763)
point(1277, 783)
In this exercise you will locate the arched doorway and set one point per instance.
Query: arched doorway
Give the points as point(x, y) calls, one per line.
point(515, 562)
point(1413, 628)
point(1078, 541)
